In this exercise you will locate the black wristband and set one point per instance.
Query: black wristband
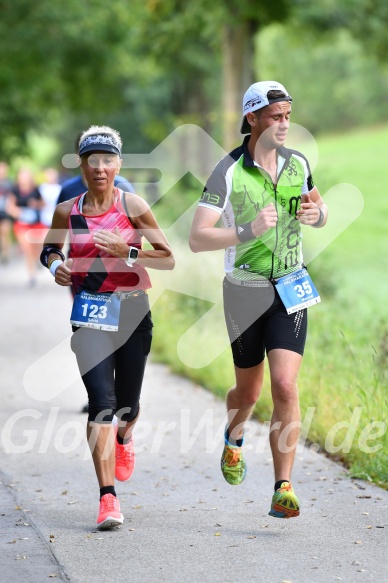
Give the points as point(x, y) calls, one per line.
point(321, 218)
point(244, 232)
point(46, 251)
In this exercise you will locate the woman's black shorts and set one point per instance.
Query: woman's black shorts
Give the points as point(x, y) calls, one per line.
point(257, 322)
point(112, 364)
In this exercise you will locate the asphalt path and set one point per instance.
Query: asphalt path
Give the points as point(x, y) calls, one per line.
point(183, 522)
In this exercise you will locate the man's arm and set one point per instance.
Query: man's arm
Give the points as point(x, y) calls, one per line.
point(205, 236)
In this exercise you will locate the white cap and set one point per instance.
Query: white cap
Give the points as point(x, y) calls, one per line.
point(256, 97)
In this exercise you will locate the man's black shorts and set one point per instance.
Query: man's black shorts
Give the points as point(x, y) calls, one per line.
point(257, 322)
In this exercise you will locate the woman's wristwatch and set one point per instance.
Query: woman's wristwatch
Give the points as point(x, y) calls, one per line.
point(132, 255)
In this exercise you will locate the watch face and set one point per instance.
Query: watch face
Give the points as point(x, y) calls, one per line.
point(133, 253)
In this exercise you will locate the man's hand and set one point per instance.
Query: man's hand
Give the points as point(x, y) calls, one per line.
point(265, 220)
point(308, 214)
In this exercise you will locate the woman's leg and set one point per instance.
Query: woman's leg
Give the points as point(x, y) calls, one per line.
point(131, 359)
point(94, 350)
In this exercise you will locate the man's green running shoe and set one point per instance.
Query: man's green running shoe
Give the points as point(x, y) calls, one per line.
point(285, 503)
point(233, 465)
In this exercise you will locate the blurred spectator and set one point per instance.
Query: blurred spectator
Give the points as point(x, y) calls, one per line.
point(49, 190)
point(5, 218)
point(25, 204)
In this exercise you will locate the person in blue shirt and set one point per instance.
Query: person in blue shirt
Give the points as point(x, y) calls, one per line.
point(73, 187)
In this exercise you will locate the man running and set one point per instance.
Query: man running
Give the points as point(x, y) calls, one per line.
point(263, 192)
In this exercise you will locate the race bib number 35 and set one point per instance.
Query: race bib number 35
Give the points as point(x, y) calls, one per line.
point(297, 291)
point(94, 310)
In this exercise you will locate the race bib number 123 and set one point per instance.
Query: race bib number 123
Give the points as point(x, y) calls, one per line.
point(96, 310)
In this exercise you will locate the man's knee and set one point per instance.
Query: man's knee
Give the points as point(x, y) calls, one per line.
point(284, 390)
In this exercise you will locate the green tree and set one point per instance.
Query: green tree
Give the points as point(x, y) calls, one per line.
point(198, 43)
point(149, 65)
point(335, 85)
point(56, 56)
point(367, 20)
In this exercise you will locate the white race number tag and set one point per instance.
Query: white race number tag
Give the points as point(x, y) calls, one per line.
point(297, 291)
point(96, 310)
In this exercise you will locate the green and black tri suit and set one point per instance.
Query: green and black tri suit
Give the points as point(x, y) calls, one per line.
point(238, 189)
